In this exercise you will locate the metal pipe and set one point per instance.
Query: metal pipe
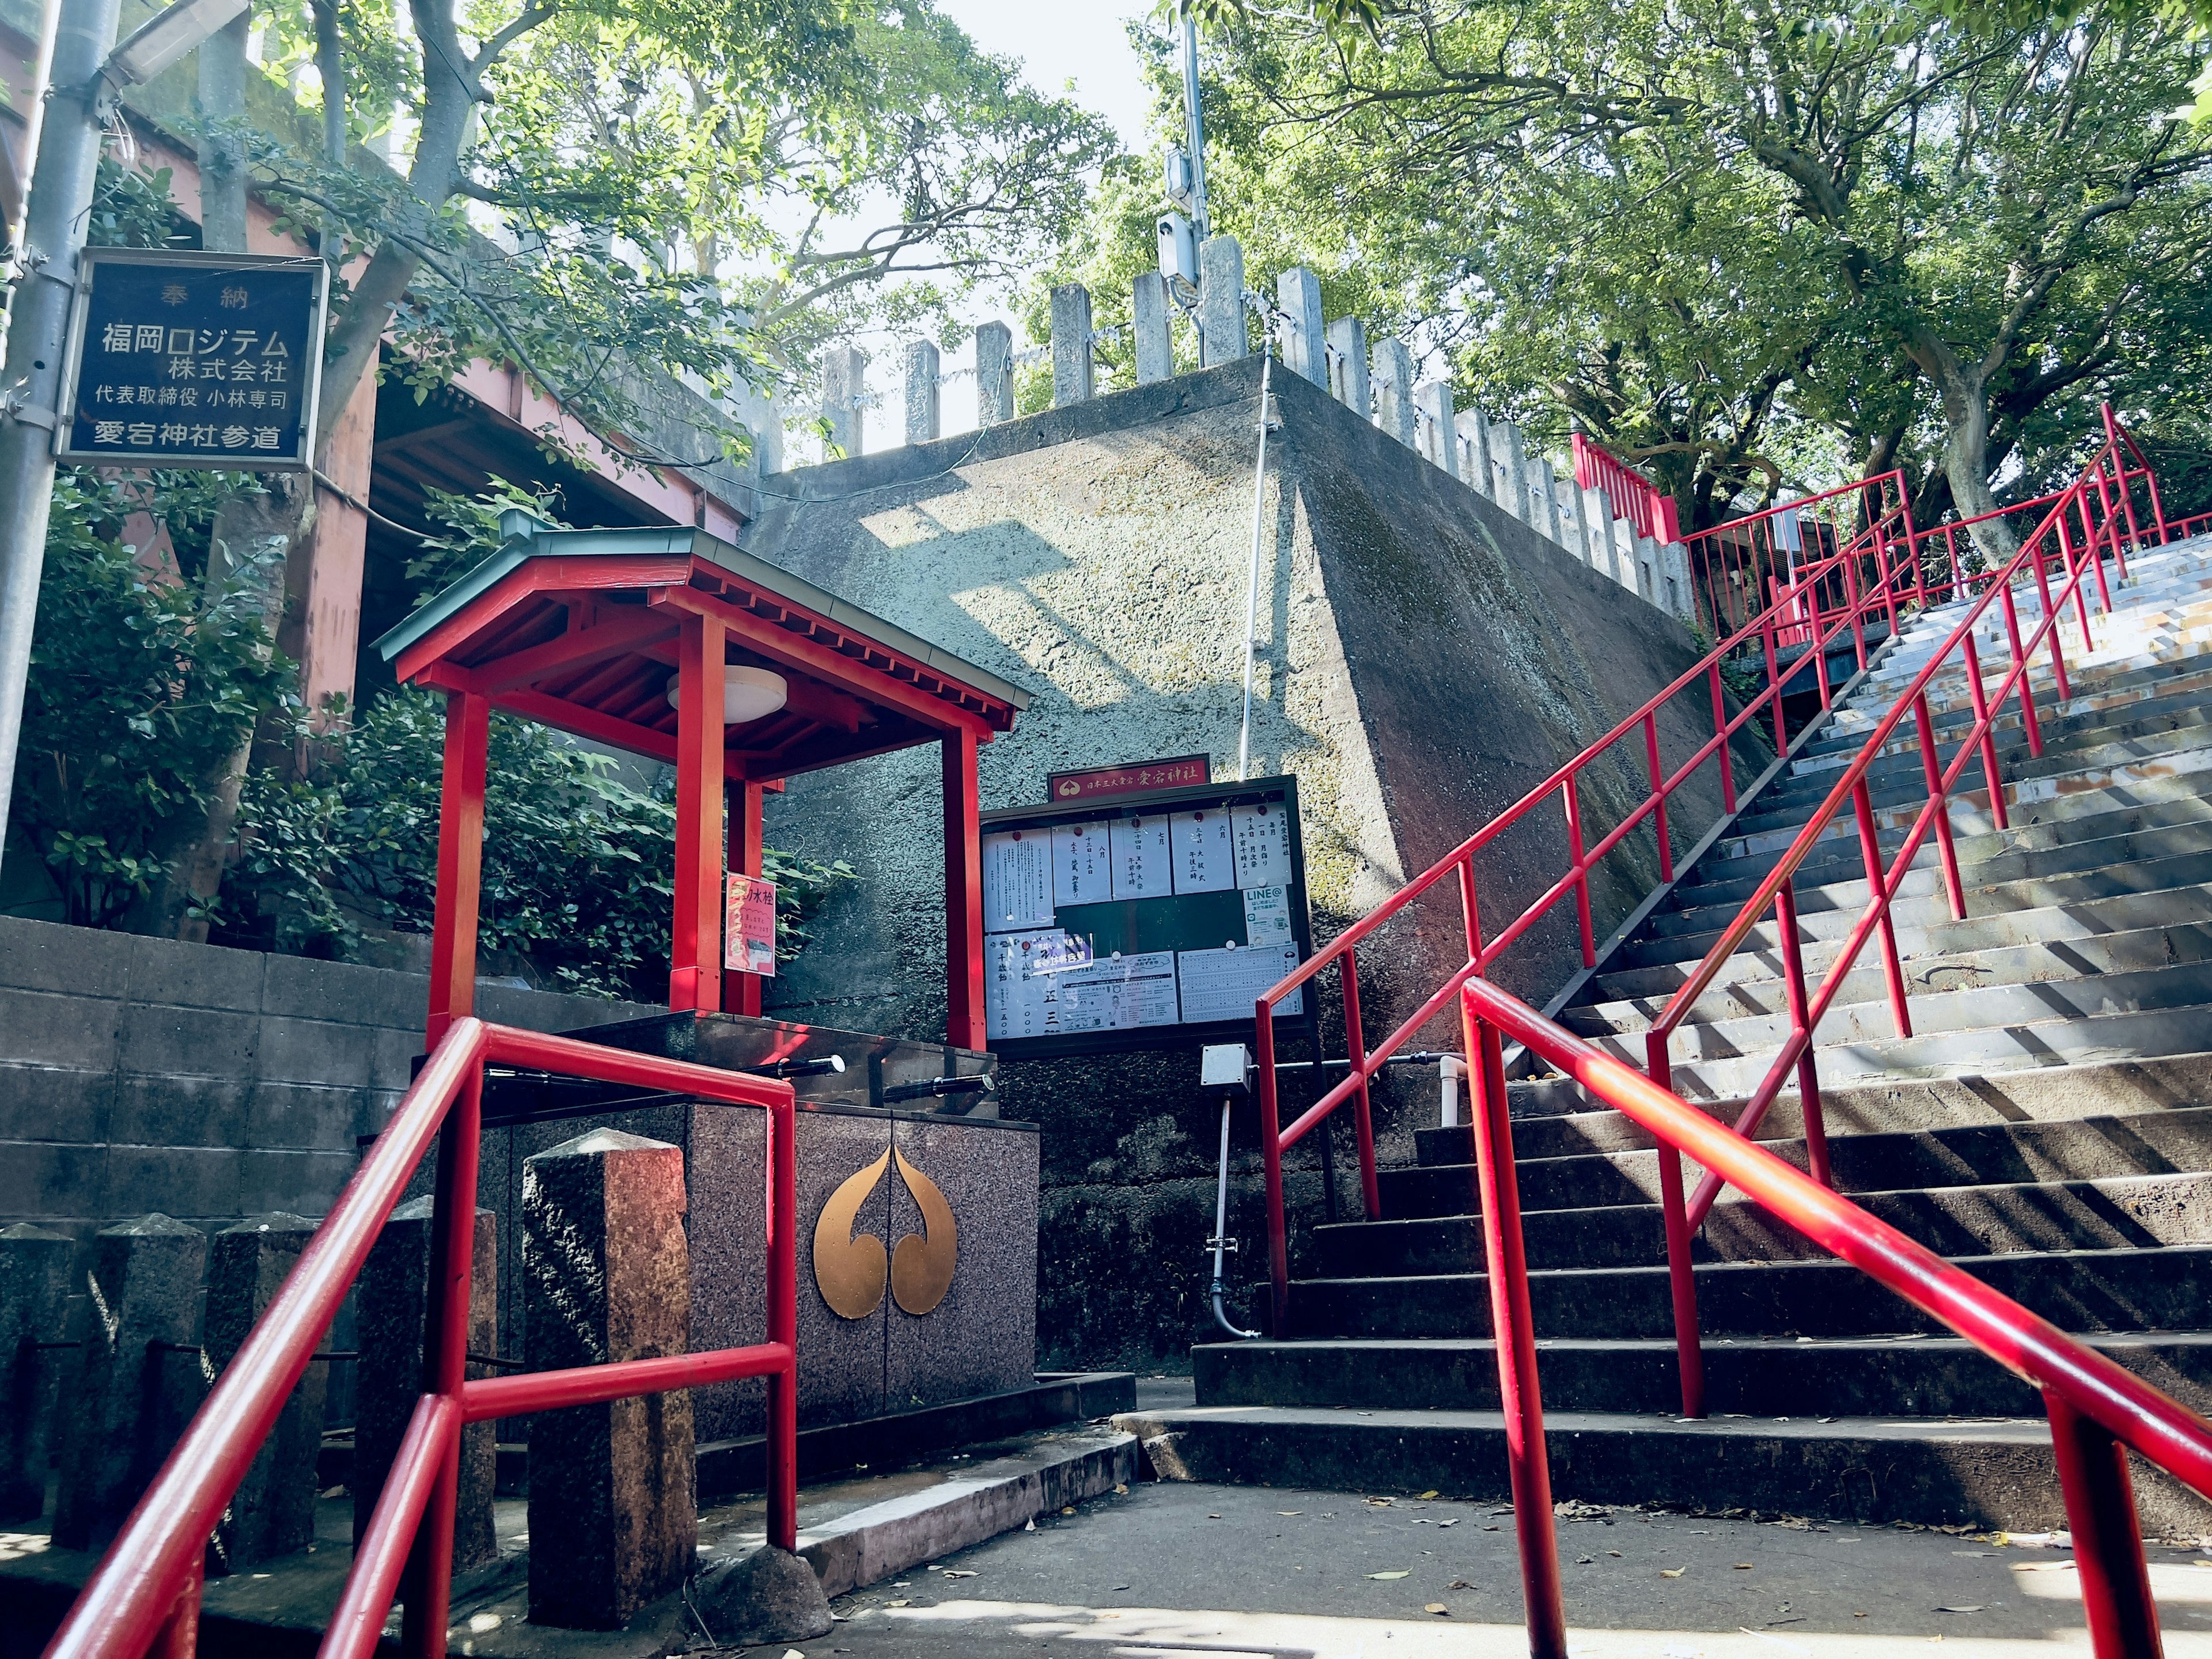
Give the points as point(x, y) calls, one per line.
point(1194, 127)
point(1220, 1239)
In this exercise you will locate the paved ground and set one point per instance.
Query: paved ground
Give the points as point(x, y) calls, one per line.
point(1157, 1571)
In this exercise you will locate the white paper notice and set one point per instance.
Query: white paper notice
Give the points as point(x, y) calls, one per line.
point(1143, 857)
point(1263, 844)
point(1119, 992)
point(1017, 881)
point(1205, 861)
point(1224, 984)
point(1010, 1005)
point(1081, 861)
point(1268, 917)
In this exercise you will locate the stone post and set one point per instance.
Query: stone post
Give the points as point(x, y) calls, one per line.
point(33, 1307)
point(394, 1310)
point(1510, 465)
point(1543, 499)
point(1149, 317)
point(1073, 381)
point(844, 396)
point(1623, 554)
point(1576, 529)
point(1647, 568)
point(1597, 523)
point(1471, 435)
point(606, 1277)
point(1674, 580)
point(994, 374)
point(1393, 371)
point(273, 1512)
point(1432, 402)
point(1347, 366)
point(1298, 291)
point(921, 399)
point(145, 1285)
point(1222, 334)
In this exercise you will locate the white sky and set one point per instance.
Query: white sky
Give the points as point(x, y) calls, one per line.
point(1081, 41)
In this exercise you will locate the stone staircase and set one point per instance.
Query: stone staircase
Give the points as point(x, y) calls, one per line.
point(2048, 1126)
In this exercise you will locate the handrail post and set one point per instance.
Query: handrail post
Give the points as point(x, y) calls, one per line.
point(1850, 563)
point(1987, 728)
point(180, 1635)
point(2120, 477)
point(2025, 681)
point(2101, 1510)
point(1270, 1163)
point(1582, 870)
point(2097, 537)
point(2090, 552)
point(1720, 730)
point(1810, 1108)
point(1931, 768)
point(1877, 891)
point(427, 1588)
point(782, 1424)
point(1774, 689)
point(1659, 794)
point(1958, 571)
point(1355, 1039)
point(1681, 1266)
point(2043, 590)
point(1513, 1335)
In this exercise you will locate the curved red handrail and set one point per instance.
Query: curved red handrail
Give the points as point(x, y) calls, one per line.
point(135, 1593)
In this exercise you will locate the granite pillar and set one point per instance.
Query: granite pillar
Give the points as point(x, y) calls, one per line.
point(1509, 466)
point(921, 399)
point(1298, 291)
point(1347, 366)
point(1674, 583)
point(613, 1523)
point(1221, 335)
point(394, 1311)
point(1647, 568)
point(34, 1305)
point(1472, 432)
point(994, 374)
point(1149, 318)
point(1575, 527)
point(1597, 521)
point(1074, 378)
point(1393, 391)
point(144, 1286)
point(844, 396)
point(1433, 405)
point(1543, 499)
point(273, 1511)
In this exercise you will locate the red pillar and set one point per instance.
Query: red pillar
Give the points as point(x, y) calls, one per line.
point(964, 893)
point(742, 992)
point(695, 968)
point(460, 863)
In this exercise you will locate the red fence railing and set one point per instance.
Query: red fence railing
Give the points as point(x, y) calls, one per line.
point(1632, 495)
point(146, 1590)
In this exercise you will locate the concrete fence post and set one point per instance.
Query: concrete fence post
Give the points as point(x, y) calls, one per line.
point(1347, 366)
point(1439, 439)
point(1597, 524)
point(273, 1511)
point(1149, 320)
point(1543, 499)
point(393, 1312)
point(1073, 380)
point(606, 1277)
point(1298, 291)
point(1509, 466)
point(1393, 391)
point(144, 1286)
point(1623, 554)
point(1681, 600)
point(1647, 568)
point(922, 403)
point(1222, 334)
point(34, 1267)
point(844, 396)
point(1576, 527)
point(994, 374)
point(1471, 433)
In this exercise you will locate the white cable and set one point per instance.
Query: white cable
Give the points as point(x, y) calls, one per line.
point(1252, 577)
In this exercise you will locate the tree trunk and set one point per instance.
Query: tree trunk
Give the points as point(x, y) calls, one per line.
point(1965, 459)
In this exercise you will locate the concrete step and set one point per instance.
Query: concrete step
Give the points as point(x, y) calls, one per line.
point(2137, 1211)
point(1986, 1475)
point(1759, 1377)
point(2115, 1290)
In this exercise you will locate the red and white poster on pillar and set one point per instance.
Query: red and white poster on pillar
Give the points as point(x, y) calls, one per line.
point(748, 927)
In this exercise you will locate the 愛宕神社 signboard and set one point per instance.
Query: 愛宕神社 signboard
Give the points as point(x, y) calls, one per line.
point(1150, 919)
point(193, 360)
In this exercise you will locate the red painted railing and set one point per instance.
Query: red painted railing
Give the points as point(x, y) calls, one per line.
point(1740, 567)
point(2095, 1405)
point(1632, 497)
point(145, 1594)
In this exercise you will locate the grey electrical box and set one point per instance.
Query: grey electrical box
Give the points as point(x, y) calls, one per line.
point(1225, 1066)
point(1178, 248)
point(1178, 178)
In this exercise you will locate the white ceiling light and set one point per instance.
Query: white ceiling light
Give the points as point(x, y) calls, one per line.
point(168, 37)
point(747, 693)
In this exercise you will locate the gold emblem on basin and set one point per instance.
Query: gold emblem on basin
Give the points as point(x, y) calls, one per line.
point(850, 1271)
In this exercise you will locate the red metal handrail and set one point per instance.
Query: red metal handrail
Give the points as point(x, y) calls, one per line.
point(1631, 495)
point(146, 1588)
point(2096, 1407)
point(2091, 495)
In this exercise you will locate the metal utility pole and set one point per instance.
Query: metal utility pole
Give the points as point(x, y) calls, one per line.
point(1194, 127)
point(54, 222)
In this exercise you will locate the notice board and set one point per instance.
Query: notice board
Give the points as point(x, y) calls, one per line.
point(1148, 921)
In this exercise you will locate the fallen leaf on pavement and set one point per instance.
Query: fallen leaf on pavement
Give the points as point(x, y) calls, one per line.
point(958, 1572)
point(1975, 1608)
point(1435, 1606)
point(1454, 1522)
point(1428, 1494)
point(1402, 1572)
point(1743, 1566)
point(1672, 1572)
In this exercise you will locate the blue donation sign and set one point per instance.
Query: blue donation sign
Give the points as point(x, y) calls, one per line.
point(194, 360)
